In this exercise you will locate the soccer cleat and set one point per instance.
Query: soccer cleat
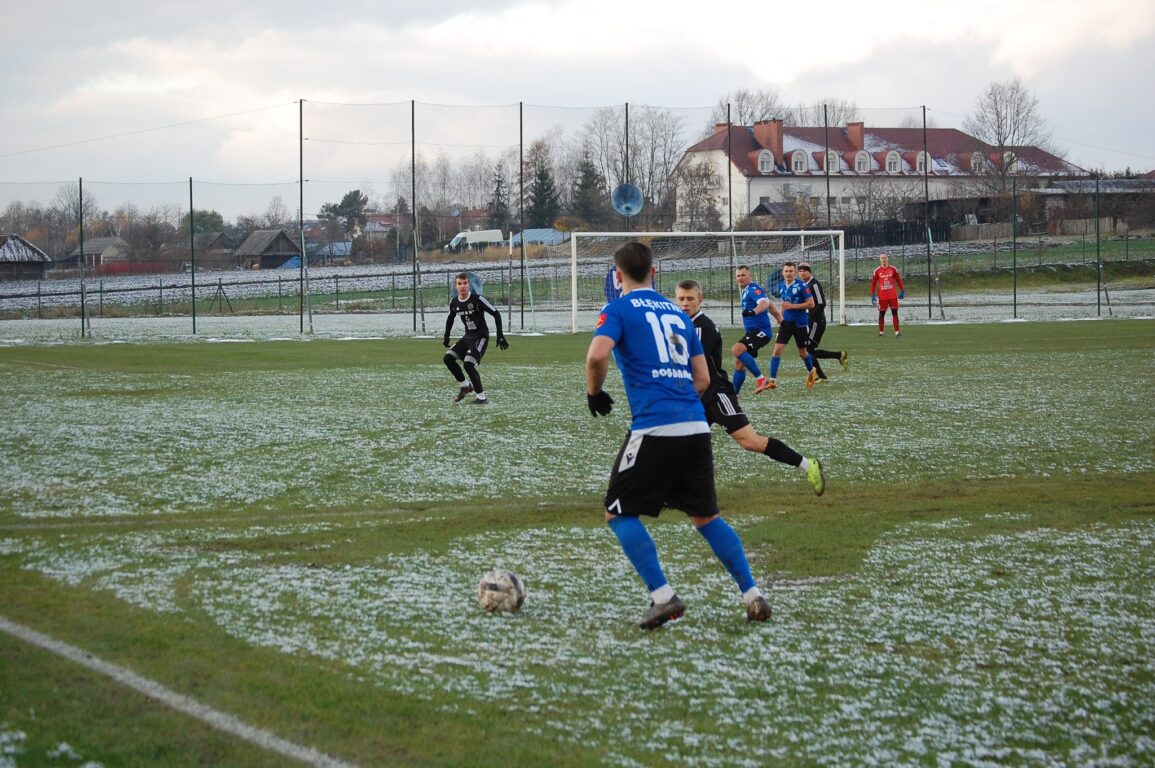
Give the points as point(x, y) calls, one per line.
point(764, 384)
point(844, 359)
point(897, 334)
point(811, 377)
point(881, 334)
point(815, 476)
point(479, 401)
point(823, 380)
point(758, 609)
point(461, 393)
point(660, 613)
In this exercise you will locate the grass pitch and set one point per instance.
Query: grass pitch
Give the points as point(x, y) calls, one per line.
point(292, 532)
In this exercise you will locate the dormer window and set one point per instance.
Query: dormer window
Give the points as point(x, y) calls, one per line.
point(978, 163)
point(922, 162)
point(862, 163)
point(832, 164)
point(893, 162)
point(765, 162)
point(1010, 162)
point(798, 161)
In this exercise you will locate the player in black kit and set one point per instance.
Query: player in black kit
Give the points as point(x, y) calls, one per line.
point(471, 308)
point(721, 402)
point(818, 323)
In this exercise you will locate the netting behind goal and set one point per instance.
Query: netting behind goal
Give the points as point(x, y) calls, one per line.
point(710, 258)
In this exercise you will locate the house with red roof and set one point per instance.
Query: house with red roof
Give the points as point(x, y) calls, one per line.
point(862, 173)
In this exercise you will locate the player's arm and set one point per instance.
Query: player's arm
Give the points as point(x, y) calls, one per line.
point(597, 368)
point(488, 307)
point(775, 313)
point(448, 326)
point(898, 280)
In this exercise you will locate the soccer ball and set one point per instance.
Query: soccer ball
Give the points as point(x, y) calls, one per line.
point(501, 590)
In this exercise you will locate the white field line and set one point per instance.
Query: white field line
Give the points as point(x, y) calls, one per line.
point(219, 720)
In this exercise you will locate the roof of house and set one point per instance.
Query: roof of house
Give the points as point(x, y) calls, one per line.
point(541, 236)
point(95, 245)
point(264, 240)
point(15, 249)
point(951, 151)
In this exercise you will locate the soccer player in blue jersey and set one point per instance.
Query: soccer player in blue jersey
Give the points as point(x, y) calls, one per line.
point(757, 309)
point(795, 324)
point(666, 458)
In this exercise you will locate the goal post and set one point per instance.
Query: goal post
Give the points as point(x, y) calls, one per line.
point(710, 258)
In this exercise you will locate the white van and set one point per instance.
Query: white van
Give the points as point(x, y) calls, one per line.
point(475, 238)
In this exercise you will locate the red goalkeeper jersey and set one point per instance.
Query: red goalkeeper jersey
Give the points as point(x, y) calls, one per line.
point(886, 283)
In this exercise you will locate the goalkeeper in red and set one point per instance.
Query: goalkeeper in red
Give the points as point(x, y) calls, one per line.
point(885, 290)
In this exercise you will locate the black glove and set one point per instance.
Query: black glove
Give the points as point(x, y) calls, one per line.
point(501, 342)
point(445, 341)
point(600, 404)
point(748, 313)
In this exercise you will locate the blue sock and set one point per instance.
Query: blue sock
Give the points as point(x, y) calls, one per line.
point(751, 364)
point(810, 362)
point(728, 548)
point(640, 550)
point(774, 363)
point(739, 380)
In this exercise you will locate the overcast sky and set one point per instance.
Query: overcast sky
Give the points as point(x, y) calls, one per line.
point(128, 91)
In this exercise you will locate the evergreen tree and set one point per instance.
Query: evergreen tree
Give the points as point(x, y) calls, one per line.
point(498, 206)
point(544, 201)
point(589, 200)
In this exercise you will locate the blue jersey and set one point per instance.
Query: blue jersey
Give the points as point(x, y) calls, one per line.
point(654, 341)
point(796, 293)
point(752, 294)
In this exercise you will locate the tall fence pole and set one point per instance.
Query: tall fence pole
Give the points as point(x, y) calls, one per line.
point(192, 253)
point(80, 222)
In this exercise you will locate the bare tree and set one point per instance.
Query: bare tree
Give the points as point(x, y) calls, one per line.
point(747, 107)
point(697, 202)
point(1006, 116)
point(828, 111)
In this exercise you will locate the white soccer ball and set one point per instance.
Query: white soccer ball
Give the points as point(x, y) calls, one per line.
point(501, 590)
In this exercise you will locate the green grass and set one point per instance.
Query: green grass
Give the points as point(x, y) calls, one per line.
point(291, 532)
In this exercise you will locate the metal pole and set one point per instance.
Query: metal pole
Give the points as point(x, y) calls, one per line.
point(521, 200)
point(1014, 249)
point(926, 213)
point(1098, 256)
point(192, 253)
point(627, 156)
point(80, 222)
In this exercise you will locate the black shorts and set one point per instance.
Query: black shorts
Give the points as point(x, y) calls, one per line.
point(817, 331)
point(754, 341)
point(722, 408)
point(470, 346)
point(654, 472)
point(788, 330)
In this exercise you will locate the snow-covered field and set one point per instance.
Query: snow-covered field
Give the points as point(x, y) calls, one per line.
point(945, 648)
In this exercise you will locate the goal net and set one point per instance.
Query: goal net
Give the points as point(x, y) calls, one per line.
point(710, 258)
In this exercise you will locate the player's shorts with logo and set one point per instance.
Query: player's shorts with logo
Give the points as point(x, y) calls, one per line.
point(789, 330)
point(754, 341)
point(890, 303)
point(470, 346)
point(652, 472)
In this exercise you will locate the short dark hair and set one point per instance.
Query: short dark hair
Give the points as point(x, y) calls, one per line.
point(789, 264)
point(462, 276)
point(690, 285)
point(635, 259)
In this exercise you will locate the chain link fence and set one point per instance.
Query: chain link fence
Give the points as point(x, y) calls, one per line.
point(354, 241)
